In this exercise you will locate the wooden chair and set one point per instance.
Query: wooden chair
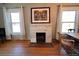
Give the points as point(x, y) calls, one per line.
point(67, 44)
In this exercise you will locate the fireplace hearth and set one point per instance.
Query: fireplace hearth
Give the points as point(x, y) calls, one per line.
point(40, 37)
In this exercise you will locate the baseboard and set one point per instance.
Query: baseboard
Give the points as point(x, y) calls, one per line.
point(39, 43)
point(17, 40)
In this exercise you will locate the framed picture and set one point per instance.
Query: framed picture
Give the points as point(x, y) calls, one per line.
point(40, 15)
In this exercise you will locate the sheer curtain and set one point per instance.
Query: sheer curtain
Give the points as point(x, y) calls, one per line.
point(58, 21)
point(8, 23)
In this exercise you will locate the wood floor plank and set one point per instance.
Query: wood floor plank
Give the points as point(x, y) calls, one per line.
point(21, 48)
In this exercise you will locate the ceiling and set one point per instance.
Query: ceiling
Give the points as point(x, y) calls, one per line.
point(23, 4)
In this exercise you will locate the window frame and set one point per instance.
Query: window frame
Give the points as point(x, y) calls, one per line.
point(68, 22)
point(14, 11)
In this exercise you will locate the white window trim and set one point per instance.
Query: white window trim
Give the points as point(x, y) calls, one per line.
point(8, 25)
point(68, 22)
point(15, 10)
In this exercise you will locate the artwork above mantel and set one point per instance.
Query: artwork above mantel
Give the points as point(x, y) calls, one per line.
point(40, 15)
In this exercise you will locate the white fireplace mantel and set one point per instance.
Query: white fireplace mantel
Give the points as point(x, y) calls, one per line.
point(41, 28)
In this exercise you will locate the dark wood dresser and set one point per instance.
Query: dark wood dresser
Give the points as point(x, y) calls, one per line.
point(2, 35)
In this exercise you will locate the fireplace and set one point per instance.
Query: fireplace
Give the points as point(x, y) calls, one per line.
point(40, 37)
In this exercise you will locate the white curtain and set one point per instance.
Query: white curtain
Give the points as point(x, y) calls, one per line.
point(8, 27)
point(58, 22)
point(22, 22)
point(77, 21)
point(7, 24)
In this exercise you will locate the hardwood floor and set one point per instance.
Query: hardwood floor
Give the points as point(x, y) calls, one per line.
point(21, 48)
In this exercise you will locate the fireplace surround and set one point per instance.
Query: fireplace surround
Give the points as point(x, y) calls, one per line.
point(47, 29)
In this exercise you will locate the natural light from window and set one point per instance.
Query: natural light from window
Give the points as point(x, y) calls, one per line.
point(15, 22)
point(68, 20)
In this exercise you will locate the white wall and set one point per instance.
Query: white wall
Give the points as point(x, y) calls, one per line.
point(53, 15)
point(27, 15)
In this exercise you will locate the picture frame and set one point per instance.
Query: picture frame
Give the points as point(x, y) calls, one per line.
point(40, 15)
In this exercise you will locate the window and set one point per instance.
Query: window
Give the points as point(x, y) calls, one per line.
point(68, 20)
point(15, 19)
